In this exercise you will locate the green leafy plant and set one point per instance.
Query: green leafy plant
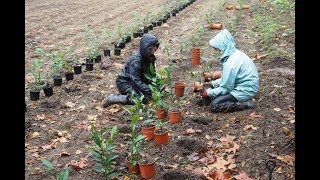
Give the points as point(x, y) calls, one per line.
point(93, 43)
point(36, 70)
point(145, 112)
point(137, 21)
point(63, 175)
point(56, 62)
point(107, 36)
point(161, 125)
point(102, 149)
point(136, 140)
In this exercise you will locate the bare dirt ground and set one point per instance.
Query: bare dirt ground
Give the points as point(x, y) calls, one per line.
point(266, 132)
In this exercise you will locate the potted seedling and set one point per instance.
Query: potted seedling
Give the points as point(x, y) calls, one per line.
point(146, 115)
point(103, 151)
point(195, 50)
point(198, 85)
point(90, 56)
point(36, 86)
point(73, 59)
point(147, 166)
point(106, 41)
point(56, 62)
point(68, 70)
point(137, 25)
point(92, 48)
point(135, 142)
point(121, 40)
point(161, 135)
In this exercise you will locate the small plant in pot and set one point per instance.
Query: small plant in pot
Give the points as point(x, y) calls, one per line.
point(36, 86)
point(195, 50)
point(147, 166)
point(198, 85)
point(106, 41)
point(135, 142)
point(56, 63)
point(103, 151)
point(161, 135)
point(92, 49)
point(68, 70)
point(90, 56)
point(73, 59)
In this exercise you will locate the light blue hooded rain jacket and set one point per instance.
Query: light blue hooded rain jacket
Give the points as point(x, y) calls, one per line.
point(239, 75)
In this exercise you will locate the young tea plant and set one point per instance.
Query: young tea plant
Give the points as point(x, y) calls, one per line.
point(63, 175)
point(56, 61)
point(102, 149)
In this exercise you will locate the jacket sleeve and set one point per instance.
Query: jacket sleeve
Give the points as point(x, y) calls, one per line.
point(136, 73)
point(216, 83)
point(227, 82)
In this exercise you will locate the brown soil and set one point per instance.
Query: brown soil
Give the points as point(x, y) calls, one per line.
point(51, 24)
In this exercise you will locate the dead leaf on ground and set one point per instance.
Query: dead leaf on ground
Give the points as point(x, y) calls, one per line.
point(292, 109)
point(234, 149)
point(277, 109)
point(254, 115)
point(36, 155)
point(173, 166)
point(37, 171)
point(288, 159)
point(64, 153)
point(193, 157)
point(77, 166)
point(46, 147)
point(40, 117)
point(70, 104)
point(78, 151)
point(35, 134)
point(81, 108)
point(243, 176)
point(247, 127)
point(199, 172)
point(220, 164)
point(114, 109)
point(228, 138)
point(258, 56)
point(219, 175)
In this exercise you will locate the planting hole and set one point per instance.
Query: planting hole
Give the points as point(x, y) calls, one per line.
point(124, 129)
point(202, 121)
point(175, 175)
point(47, 104)
point(189, 144)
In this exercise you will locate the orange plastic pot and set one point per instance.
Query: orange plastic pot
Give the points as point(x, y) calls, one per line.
point(148, 132)
point(229, 7)
point(245, 7)
point(237, 8)
point(216, 75)
point(207, 77)
point(148, 170)
point(174, 117)
point(133, 169)
point(197, 86)
point(195, 56)
point(161, 137)
point(179, 89)
point(216, 26)
point(161, 113)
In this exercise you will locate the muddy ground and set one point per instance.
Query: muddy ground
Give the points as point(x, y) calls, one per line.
point(266, 132)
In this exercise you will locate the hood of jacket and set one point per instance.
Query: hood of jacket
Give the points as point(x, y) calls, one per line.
point(224, 42)
point(146, 43)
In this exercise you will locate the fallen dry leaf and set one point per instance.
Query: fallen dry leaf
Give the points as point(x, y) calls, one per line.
point(292, 109)
point(254, 115)
point(78, 151)
point(77, 166)
point(228, 138)
point(64, 153)
point(220, 164)
point(70, 104)
point(199, 172)
point(234, 149)
point(35, 134)
point(219, 175)
point(193, 157)
point(37, 171)
point(46, 147)
point(277, 109)
point(40, 117)
point(243, 176)
point(36, 155)
point(257, 56)
point(288, 159)
point(174, 166)
point(92, 117)
point(190, 131)
point(247, 127)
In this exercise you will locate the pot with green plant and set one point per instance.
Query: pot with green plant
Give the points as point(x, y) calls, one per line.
point(36, 69)
point(198, 85)
point(68, 70)
point(48, 89)
point(195, 51)
point(147, 166)
point(56, 62)
point(106, 41)
point(90, 53)
point(135, 142)
point(73, 59)
point(161, 135)
point(103, 150)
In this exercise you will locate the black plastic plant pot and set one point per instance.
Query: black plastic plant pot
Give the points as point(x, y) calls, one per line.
point(173, 13)
point(48, 91)
point(164, 20)
point(57, 81)
point(150, 26)
point(128, 39)
point(159, 23)
point(140, 34)
point(180, 8)
point(145, 29)
point(154, 24)
point(117, 51)
point(77, 69)
point(122, 45)
point(97, 59)
point(117, 45)
point(106, 52)
point(89, 66)
point(34, 95)
point(69, 76)
point(135, 34)
point(168, 15)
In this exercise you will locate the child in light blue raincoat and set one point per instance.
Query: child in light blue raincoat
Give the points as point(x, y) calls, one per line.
point(239, 80)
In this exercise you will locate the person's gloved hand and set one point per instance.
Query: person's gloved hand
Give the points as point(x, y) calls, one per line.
point(204, 94)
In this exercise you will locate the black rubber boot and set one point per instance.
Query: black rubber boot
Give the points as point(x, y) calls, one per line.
point(115, 99)
point(229, 106)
